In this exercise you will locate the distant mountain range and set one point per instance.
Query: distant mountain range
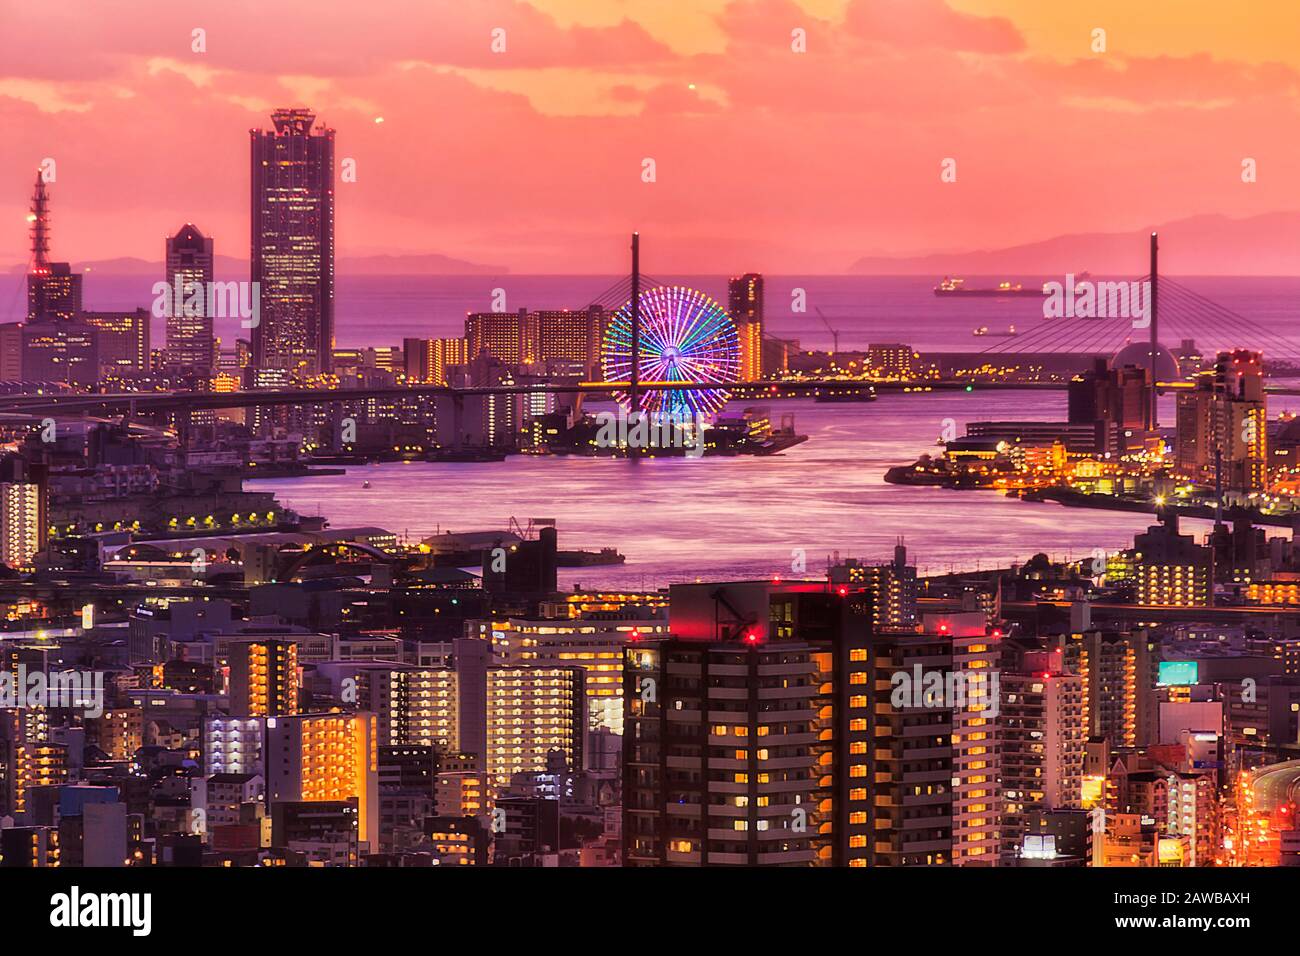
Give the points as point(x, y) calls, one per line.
point(227, 266)
point(1201, 245)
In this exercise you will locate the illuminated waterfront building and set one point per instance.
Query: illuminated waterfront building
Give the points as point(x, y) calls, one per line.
point(264, 678)
point(1043, 743)
point(293, 244)
point(1222, 425)
point(1116, 402)
point(571, 336)
point(530, 712)
point(509, 337)
point(745, 306)
point(428, 360)
point(191, 342)
point(326, 758)
point(892, 360)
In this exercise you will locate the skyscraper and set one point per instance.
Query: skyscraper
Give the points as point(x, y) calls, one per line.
point(53, 289)
point(190, 339)
point(293, 244)
point(745, 306)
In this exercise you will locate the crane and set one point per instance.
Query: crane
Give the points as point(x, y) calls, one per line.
point(835, 336)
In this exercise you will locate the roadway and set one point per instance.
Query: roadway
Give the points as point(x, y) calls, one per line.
point(1276, 785)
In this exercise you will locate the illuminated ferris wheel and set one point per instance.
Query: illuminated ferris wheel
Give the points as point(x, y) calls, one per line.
point(685, 337)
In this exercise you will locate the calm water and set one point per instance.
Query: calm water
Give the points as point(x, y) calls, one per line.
point(734, 518)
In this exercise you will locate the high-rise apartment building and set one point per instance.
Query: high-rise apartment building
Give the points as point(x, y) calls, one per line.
point(532, 711)
point(747, 732)
point(1043, 743)
point(326, 758)
point(412, 705)
point(1222, 425)
point(509, 337)
point(569, 336)
point(264, 678)
point(745, 306)
point(293, 244)
point(593, 643)
point(1118, 671)
point(22, 522)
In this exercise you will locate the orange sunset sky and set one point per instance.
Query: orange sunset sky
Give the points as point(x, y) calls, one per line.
point(766, 158)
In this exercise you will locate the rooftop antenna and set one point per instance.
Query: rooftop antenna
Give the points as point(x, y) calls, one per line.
point(40, 220)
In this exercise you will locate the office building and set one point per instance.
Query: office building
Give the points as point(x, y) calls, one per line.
point(122, 342)
point(292, 255)
point(191, 340)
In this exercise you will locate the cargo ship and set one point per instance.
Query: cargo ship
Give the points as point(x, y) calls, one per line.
point(958, 287)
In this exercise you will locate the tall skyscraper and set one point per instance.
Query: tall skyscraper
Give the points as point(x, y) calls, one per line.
point(191, 343)
point(293, 243)
point(745, 306)
point(53, 289)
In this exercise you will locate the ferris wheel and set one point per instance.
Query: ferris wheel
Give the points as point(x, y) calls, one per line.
point(685, 337)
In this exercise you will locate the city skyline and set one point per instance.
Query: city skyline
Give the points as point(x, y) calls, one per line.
point(692, 556)
point(666, 85)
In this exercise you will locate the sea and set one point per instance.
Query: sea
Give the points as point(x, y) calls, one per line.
point(681, 519)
